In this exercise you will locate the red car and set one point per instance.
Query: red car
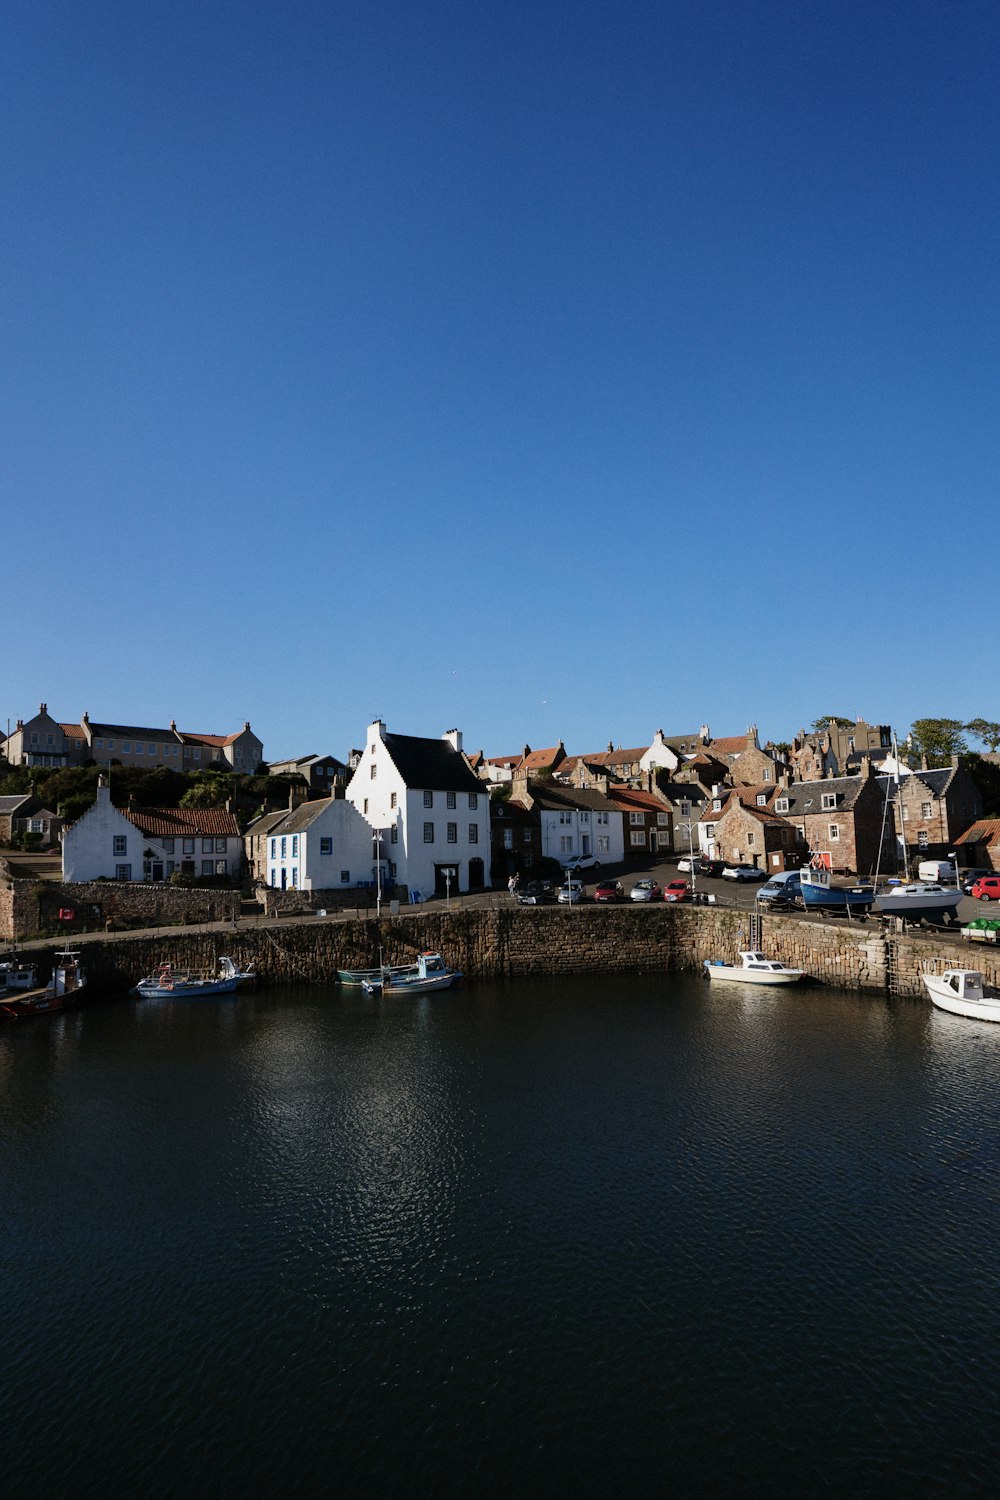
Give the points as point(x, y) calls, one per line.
point(676, 890)
point(986, 888)
point(608, 890)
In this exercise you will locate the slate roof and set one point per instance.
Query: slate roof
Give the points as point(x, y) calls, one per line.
point(431, 765)
point(128, 731)
point(806, 797)
point(266, 823)
point(552, 799)
point(9, 805)
point(183, 822)
point(300, 818)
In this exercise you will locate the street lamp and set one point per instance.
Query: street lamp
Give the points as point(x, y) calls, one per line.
point(686, 828)
point(377, 836)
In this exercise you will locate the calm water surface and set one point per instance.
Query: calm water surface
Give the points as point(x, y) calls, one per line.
point(614, 1236)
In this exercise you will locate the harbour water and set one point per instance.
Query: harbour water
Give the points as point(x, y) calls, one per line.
point(625, 1236)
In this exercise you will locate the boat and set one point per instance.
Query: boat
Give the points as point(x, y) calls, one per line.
point(819, 893)
point(168, 983)
point(914, 899)
point(16, 976)
point(358, 977)
point(431, 973)
point(61, 993)
point(963, 993)
point(753, 968)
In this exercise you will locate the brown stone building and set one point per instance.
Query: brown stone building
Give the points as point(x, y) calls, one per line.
point(842, 816)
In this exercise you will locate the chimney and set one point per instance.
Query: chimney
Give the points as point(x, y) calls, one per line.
point(954, 762)
point(246, 723)
point(173, 725)
point(923, 760)
point(454, 738)
point(43, 708)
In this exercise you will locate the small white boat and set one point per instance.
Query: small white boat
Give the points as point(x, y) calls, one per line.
point(963, 992)
point(432, 973)
point(169, 983)
point(753, 968)
point(16, 976)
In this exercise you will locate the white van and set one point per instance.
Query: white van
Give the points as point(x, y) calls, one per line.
point(936, 869)
point(783, 889)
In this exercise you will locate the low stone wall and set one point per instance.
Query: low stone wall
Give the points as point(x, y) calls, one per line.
point(508, 944)
point(30, 907)
point(287, 903)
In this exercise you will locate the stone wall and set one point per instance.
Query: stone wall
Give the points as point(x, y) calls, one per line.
point(31, 907)
point(511, 943)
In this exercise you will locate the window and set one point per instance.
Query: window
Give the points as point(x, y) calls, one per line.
point(450, 799)
point(636, 818)
point(392, 799)
point(295, 845)
point(150, 749)
point(716, 804)
point(639, 840)
point(766, 776)
point(603, 844)
point(394, 835)
point(781, 805)
point(326, 846)
point(220, 867)
point(526, 836)
point(171, 867)
point(123, 872)
point(428, 833)
point(345, 877)
point(284, 847)
point(661, 820)
point(829, 800)
point(761, 799)
point(508, 838)
point(453, 833)
point(189, 846)
point(374, 771)
point(295, 877)
point(922, 839)
point(473, 833)
point(473, 801)
point(685, 809)
point(365, 807)
point(750, 840)
point(925, 809)
point(220, 846)
point(565, 844)
point(834, 833)
point(207, 867)
point(168, 846)
point(428, 799)
point(585, 817)
point(121, 844)
point(602, 819)
point(906, 814)
point(274, 877)
point(565, 817)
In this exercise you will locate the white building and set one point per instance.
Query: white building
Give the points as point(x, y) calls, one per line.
point(431, 809)
point(577, 820)
point(318, 846)
point(150, 843)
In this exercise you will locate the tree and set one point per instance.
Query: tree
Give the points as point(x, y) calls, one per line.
point(938, 739)
point(832, 721)
point(986, 775)
point(986, 732)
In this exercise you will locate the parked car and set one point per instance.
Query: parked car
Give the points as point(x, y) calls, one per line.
point(644, 890)
point(742, 872)
point(986, 888)
point(968, 878)
point(713, 867)
point(608, 890)
point(686, 865)
point(582, 862)
point(535, 893)
point(571, 893)
point(676, 890)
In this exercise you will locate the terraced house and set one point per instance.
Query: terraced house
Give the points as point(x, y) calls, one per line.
point(44, 741)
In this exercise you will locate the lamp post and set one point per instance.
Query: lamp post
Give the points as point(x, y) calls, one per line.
point(686, 828)
point(377, 836)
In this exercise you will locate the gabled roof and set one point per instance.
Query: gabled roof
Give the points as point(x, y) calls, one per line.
point(552, 798)
point(183, 822)
point(266, 822)
point(733, 744)
point(806, 797)
point(431, 765)
point(129, 731)
point(300, 818)
point(73, 731)
point(983, 831)
point(627, 796)
point(540, 760)
point(9, 805)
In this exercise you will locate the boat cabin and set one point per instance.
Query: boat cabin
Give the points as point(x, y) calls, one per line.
point(966, 984)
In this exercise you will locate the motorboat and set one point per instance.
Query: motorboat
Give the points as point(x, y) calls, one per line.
point(354, 978)
point(963, 993)
point(753, 968)
point(16, 976)
point(168, 983)
point(61, 993)
point(819, 893)
point(432, 973)
point(914, 899)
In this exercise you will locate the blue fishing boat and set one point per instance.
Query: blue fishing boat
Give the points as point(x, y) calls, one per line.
point(820, 894)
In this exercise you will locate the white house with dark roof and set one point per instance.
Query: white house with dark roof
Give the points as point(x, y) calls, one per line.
point(430, 807)
point(321, 845)
point(150, 843)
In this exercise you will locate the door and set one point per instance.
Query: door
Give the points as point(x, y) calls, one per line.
point(477, 875)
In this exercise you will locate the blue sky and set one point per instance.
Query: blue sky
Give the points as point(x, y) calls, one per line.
point(548, 370)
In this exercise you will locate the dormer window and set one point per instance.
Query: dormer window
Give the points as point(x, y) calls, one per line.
point(829, 801)
point(761, 799)
point(716, 804)
point(781, 805)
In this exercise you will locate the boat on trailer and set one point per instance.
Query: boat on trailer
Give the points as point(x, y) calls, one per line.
point(754, 967)
point(820, 894)
point(963, 992)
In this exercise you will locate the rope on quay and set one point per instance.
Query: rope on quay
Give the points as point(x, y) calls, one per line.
point(292, 959)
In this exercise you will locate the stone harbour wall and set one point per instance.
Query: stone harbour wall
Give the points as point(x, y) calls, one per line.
point(508, 944)
point(29, 907)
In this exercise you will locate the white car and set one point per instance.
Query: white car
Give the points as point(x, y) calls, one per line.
point(685, 865)
point(582, 862)
point(571, 893)
point(644, 890)
point(743, 872)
